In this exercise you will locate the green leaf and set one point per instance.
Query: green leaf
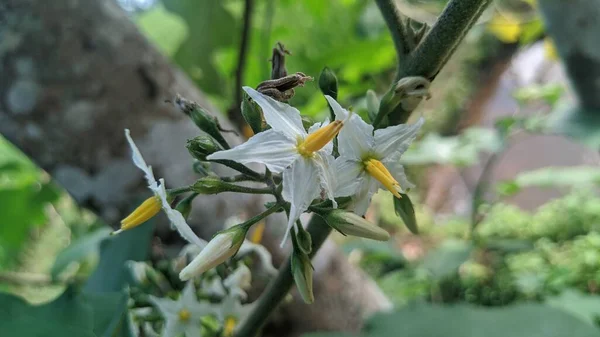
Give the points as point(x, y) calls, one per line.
point(111, 274)
point(405, 210)
point(110, 314)
point(80, 249)
point(166, 30)
point(426, 320)
point(67, 316)
point(584, 306)
point(446, 259)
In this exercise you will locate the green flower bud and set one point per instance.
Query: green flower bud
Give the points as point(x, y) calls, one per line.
point(304, 240)
point(209, 185)
point(349, 223)
point(203, 120)
point(202, 146)
point(372, 104)
point(328, 83)
point(252, 114)
point(302, 270)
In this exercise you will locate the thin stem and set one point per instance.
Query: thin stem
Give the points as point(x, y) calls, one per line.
point(241, 177)
point(266, 35)
point(392, 18)
point(281, 285)
point(178, 191)
point(264, 214)
point(240, 168)
point(247, 190)
point(234, 112)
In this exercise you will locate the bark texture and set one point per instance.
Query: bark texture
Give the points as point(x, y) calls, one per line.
point(75, 73)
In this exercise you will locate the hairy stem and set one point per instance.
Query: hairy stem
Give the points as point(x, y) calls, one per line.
point(392, 18)
point(281, 285)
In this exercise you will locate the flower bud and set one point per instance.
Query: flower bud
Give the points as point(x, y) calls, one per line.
point(372, 104)
point(202, 146)
point(203, 120)
point(209, 185)
point(222, 246)
point(351, 224)
point(328, 83)
point(302, 270)
point(252, 114)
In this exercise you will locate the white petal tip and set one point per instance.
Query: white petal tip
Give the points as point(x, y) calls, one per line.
point(116, 232)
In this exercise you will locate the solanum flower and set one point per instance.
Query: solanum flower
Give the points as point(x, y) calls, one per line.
point(304, 157)
point(369, 160)
point(183, 316)
point(153, 205)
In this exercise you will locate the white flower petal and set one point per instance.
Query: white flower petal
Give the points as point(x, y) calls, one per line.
point(176, 218)
point(271, 148)
point(261, 252)
point(300, 188)
point(166, 306)
point(348, 174)
point(328, 148)
point(193, 329)
point(393, 141)
point(139, 161)
point(356, 137)
point(326, 166)
point(367, 188)
point(173, 328)
point(280, 116)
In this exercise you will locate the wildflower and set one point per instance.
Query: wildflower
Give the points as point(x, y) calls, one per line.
point(304, 158)
point(232, 313)
point(369, 161)
point(152, 205)
point(223, 246)
point(183, 316)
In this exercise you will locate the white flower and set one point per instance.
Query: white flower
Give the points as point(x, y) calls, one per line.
point(232, 313)
point(369, 161)
point(304, 158)
point(239, 281)
point(183, 315)
point(149, 208)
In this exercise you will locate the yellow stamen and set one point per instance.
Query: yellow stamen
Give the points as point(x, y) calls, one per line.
point(258, 232)
point(318, 139)
point(184, 315)
point(378, 171)
point(149, 208)
point(229, 326)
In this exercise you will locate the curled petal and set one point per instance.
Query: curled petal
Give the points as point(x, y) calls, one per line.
point(349, 176)
point(281, 117)
point(271, 148)
point(139, 161)
point(356, 137)
point(393, 141)
point(300, 188)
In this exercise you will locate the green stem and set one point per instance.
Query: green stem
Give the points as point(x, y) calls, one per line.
point(241, 177)
point(247, 190)
point(178, 191)
point(392, 18)
point(240, 168)
point(281, 285)
point(263, 215)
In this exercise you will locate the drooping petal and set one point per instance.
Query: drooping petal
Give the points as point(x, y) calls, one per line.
point(300, 188)
point(329, 147)
point(325, 163)
point(280, 116)
point(393, 141)
point(139, 161)
point(348, 175)
point(261, 252)
point(397, 171)
point(177, 220)
point(362, 199)
point(356, 137)
point(270, 147)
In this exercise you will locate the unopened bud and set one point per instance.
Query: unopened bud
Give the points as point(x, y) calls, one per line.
point(302, 271)
point(304, 240)
point(202, 146)
point(209, 185)
point(372, 104)
point(203, 120)
point(252, 114)
point(328, 83)
point(223, 246)
point(351, 224)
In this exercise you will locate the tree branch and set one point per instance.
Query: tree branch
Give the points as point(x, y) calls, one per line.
point(392, 18)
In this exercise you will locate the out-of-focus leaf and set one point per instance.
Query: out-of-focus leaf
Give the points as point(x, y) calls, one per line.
point(110, 314)
point(405, 210)
point(459, 150)
point(550, 93)
point(579, 124)
point(446, 259)
point(559, 176)
point(111, 274)
point(426, 320)
point(166, 30)
point(509, 245)
point(583, 306)
point(78, 250)
point(67, 316)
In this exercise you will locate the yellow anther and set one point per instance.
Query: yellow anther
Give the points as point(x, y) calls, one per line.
point(184, 315)
point(149, 208)
point(318, 139)
point(229, 326)
point(257, 234)
point(378, 171)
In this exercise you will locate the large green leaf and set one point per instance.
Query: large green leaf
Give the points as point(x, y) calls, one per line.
point(446, 259)
point(583, 306)
point(67, 316)
point(110, 314)
point(80, 249)
point(426, 320)
point(404, 209)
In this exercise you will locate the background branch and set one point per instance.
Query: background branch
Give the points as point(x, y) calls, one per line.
point(392, 18)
